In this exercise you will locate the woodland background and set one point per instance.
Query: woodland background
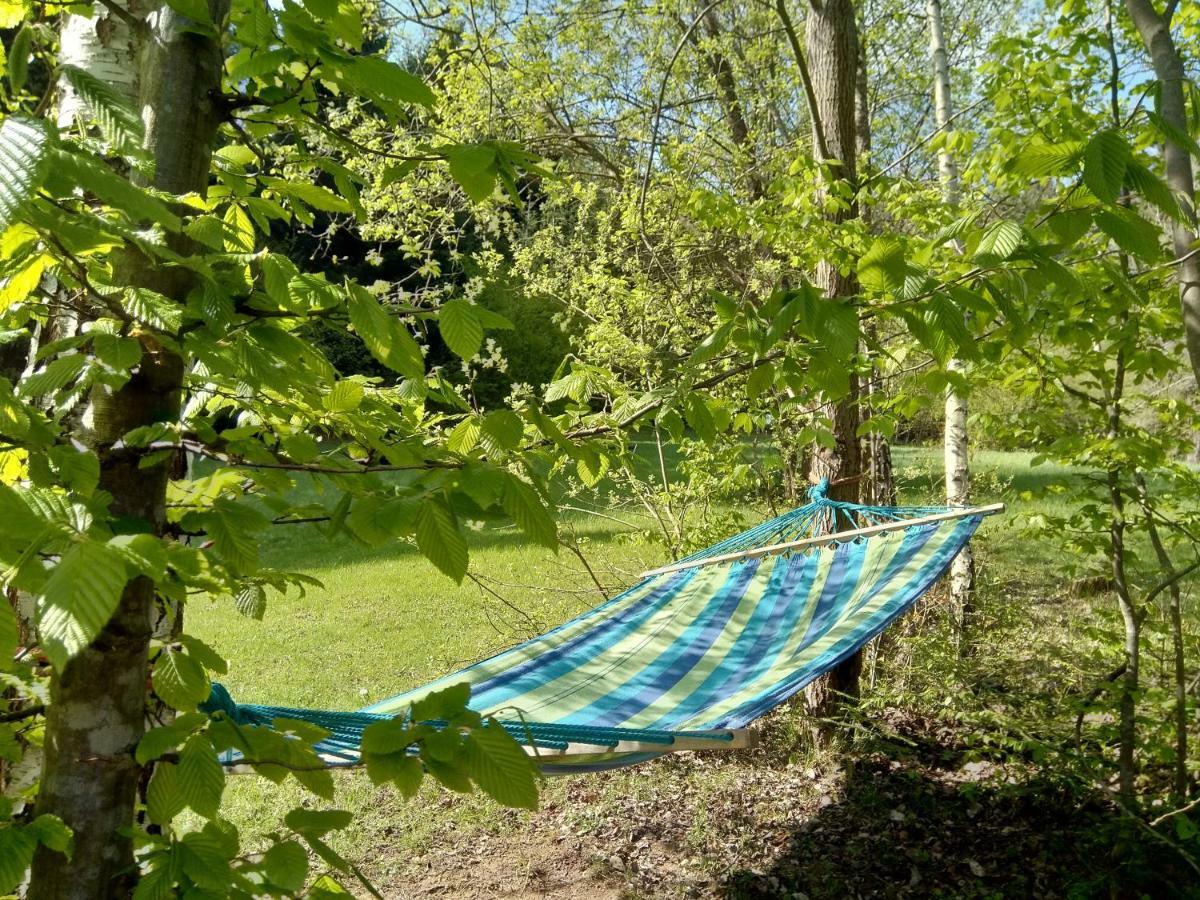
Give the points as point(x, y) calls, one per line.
point(345, 342)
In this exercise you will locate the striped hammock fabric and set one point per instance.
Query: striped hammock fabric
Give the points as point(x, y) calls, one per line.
point(697, 652)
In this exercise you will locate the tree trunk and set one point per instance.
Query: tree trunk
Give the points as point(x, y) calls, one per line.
point(962, 570)
point(731, 104)
point(1155, 31)
point(831, 38)
point(98, 701)
point(1180, 778)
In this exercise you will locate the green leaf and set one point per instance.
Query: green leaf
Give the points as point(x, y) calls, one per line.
point(1104, 162)
point(460, 328)
point(164, 800)
point(251, 600)
point(452, 775)
point(326, 888)
point(1000, 240)
point(1174, 134)
point(448, 704)
point(144, 553)
point(883, 267)
point(388, 81)
point(114, 114)
point(401, 769)
point(286, 866)
point(16, 854)
point(121, 353)
point(465, 436)
point(385, 336)
point(96, 177)
point(500, 766)
point(53, 834)
point(386, 737)
point(314, 195)
point(699, 417)
point(344, 396)
point(161, 739)
point(201, 779)
point(59, 373)
point(1131, 233)
point(1040, 160)
point(205, 858)
point(18, 58)
point(317, 822)
point(522, 503)
point(22, 149)
point(239, 230)
point(1153, 189)
point(502, 430)
point(196, 10)
point(439, 538)
point(761, 378)
point(474, 167)
point(179, 680)
point(835, 325)
point(78, 599)
point(17, 520)
point(231, 527)
point(8, 634)
point(711, 346)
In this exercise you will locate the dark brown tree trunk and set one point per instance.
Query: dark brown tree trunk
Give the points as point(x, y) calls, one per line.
point(1155, 31)
point(98, 701)
point(731, 104)
point(831, 38)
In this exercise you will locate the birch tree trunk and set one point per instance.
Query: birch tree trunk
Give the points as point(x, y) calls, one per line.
point(962, 570)
point(1155, 31)
point(98, 700)
point(831, 38)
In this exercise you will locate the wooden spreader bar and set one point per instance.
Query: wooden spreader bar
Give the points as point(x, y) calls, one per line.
point(824, 540)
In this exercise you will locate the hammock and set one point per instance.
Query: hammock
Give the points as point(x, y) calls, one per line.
point(697, 650)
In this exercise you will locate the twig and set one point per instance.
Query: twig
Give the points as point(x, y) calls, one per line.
point(1183, 810)
point(574, 548)
point(27, 712)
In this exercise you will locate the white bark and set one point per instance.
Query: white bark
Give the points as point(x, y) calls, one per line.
point(962, 570)
point(1155, 31)
point(103, 45)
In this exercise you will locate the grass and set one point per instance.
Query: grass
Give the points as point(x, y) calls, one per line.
point(387, 621)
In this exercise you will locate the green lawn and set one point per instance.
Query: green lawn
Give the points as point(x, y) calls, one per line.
point(387, 621)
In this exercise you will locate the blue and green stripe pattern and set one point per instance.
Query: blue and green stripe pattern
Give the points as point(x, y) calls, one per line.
point(701, 650)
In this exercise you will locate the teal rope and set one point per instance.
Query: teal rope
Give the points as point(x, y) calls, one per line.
point(346, 728)
point(812, 520)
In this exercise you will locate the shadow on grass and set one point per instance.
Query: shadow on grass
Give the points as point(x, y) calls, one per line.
point(905, 831)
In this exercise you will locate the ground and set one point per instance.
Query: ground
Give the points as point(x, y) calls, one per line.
point(943, 786)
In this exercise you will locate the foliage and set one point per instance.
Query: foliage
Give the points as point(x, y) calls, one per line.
point(672, 246)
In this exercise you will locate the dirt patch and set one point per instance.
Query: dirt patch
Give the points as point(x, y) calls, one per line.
point(916, 819)
point(529, 866)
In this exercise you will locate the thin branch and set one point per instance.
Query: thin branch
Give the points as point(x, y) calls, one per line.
point(1183, 810)
point(135, 24)
point(360, 467)
point(27, 712)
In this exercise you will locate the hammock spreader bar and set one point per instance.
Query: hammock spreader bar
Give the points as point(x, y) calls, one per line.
point(697, 650)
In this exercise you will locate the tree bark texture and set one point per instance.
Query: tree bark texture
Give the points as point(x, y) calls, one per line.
point(1155, 31)
point(831, 38)
point(98, 701)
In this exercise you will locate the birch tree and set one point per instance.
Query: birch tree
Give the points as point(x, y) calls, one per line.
point(956, 458)
point(1178, 145)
